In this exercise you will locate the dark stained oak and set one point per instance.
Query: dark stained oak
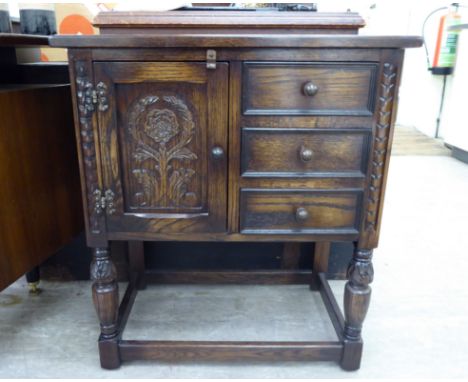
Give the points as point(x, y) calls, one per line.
point(320, 264)
point(170, 180)
point(233, 54)
point(237, 237)
point(303, 152)
point(125, 307)
point(381, 147)
point(234, 142)
point(109, 22)
point(291, 255)
point(271, 40)
point(309, 122)
point(308, 88)
point(356, 303)
point(331, 304)
point(136, 261)
point(191, 129)
point(258, 277)
point(298, 211)
point(229, 351)
point(106, 301)
point(321, 256)
point(306, 182)
point(86, 132)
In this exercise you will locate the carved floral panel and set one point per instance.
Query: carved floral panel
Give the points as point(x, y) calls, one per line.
point(162, 159)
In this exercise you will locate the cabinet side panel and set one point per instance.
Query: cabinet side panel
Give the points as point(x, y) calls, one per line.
point(384, 120)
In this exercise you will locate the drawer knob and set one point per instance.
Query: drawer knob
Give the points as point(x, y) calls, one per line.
point(301, 214)
point(310, 89)
point(217, 152)
point(305, 154)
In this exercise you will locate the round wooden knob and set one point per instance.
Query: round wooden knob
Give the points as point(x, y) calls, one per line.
point(306, 154)
point(310, 89)
point(302, 214)
point(217, 152)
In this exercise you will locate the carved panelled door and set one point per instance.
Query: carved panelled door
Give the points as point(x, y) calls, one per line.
point(163, 145)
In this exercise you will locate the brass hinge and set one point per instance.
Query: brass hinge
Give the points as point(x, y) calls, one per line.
point(104, 202)
point(211, 59)
point(99, 96)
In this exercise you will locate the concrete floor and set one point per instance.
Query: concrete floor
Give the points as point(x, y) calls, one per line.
point(416, 326)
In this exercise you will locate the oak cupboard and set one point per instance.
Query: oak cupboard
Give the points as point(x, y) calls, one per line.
point(233, 127)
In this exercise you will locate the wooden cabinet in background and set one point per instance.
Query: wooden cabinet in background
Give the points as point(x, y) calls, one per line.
point(40, 205)
point(196, 133)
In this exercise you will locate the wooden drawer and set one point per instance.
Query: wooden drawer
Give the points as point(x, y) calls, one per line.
point(286, 211)
point(304, 152)
point(288, 88)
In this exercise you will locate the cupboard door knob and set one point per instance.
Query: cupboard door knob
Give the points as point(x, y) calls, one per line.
point(305, 154)
point(310, 89)
point(217, 152)
point(302, 214)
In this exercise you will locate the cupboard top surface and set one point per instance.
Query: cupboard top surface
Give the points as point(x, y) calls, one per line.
point(230, 19)
point(233, 40)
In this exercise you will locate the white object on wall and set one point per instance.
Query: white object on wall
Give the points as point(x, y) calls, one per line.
point(455, 122)
point(420, 91)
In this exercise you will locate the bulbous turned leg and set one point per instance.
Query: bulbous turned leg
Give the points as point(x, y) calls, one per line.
point(106, 301)
point(356, 303)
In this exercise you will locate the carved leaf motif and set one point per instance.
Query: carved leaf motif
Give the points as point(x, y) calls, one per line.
point(178, 183)
point(380, 144)
point(184, 153)
point(144, 152)
point(84, 95)
point(360, 273)
point(149, 182)
point(102, 270)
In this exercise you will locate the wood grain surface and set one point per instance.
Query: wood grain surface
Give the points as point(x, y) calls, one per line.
point(281, 152)
point(40, 202)
point(278, 88)
point(275, 211)
point(163, 122)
